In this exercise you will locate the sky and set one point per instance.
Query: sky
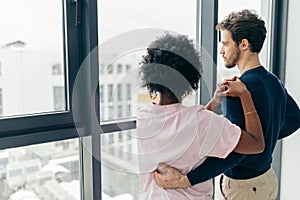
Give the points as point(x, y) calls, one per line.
point(179, 16)
point(36, 22)
point(39, 22)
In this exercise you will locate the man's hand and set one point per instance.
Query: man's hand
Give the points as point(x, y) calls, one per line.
point(171, 179)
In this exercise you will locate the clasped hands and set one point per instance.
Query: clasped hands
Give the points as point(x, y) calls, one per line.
point(233, 87)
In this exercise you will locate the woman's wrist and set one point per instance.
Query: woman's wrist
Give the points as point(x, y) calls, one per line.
point(245, 95)
point(212, 104)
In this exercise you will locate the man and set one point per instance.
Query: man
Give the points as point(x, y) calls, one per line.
point(246, 176)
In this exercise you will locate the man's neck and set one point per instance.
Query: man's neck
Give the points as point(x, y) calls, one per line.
point(249, 62)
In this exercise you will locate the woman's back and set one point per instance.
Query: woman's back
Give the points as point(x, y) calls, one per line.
point(181, 137)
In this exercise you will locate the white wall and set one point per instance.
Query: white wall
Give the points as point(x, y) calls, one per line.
point(290, 175)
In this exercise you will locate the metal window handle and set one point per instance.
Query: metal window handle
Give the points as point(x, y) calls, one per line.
point(76, 3)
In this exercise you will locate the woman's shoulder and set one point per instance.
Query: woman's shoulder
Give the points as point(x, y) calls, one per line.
point(194, 107)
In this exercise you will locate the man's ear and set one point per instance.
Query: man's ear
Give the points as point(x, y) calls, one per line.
point(244, 44)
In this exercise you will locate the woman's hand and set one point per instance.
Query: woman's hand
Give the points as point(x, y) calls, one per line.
point(234, 87)
point(216, 100)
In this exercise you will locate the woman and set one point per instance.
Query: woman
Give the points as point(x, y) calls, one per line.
point(183, 137)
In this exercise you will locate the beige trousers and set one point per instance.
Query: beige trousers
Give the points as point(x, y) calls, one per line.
point(263, 187)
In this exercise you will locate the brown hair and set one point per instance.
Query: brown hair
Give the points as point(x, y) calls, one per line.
point(245, 25)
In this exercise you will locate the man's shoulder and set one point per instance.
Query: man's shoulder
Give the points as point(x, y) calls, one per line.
point(263, 82)
point(260, 75)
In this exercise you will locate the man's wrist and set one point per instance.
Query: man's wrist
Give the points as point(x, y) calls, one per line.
point(186, 182)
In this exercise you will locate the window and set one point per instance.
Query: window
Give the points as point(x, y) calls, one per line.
point(45, 170)
point(128, 91)
point(119, 92)
point(119, 68)
point(290, 145)
point(120, 137)
point(110, 112)
point(129, 149)
point(57, 69)
point(128, 67)
point(224, 8)
point(59, 98)
point(130, 16)
point(29, 55)
point(28, 59)
point(234, 5)
point(113, 173)
point(126, 22)
point(120, 111)
point(41, 57)
point(1, 103)
point(111, 139)
point(110, 92)
point(128, 110)
point(110, 69)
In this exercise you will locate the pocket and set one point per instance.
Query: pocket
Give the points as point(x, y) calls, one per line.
point(221, 186)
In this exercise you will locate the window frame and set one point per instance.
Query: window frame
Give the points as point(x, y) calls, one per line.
point(279, 21)
point(24, 130)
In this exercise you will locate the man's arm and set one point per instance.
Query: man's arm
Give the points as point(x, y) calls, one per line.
point(292, 118)
point(209, 167)
point(173, 179)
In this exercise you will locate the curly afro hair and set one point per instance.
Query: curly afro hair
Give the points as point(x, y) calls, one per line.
point(171, 66)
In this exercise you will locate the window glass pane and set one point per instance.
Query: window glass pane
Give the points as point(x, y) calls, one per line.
point(225, 7)
point(43, 171)
point(120, 87)
point(31, 57)
point(1, 108)
point(122, 95)
point(290, 146)
point(118, 164)
point(59, 98)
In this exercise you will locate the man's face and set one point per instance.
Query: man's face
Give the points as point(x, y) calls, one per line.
point(229, 51)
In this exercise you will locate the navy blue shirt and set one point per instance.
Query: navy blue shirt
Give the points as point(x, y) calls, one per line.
point(279, 116)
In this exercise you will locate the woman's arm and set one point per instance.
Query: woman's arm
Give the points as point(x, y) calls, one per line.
point(216, 100)
point(252, 139)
